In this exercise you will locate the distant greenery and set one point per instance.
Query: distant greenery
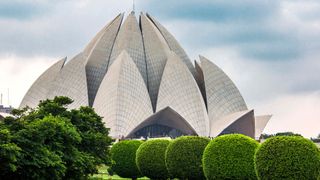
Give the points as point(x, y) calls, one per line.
point(230, 157)
point(287, 157)
point(266, 136)
point(52, 142)
point(316, 140)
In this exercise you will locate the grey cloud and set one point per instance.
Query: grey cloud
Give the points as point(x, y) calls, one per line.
point(64, 30)
point(208, 10)
point(257, 41)
point(249, 25)
point(22, 10)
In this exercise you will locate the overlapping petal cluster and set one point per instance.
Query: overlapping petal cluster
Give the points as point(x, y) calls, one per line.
point(135, 74)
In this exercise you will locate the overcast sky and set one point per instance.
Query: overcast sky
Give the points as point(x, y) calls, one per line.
point(270, 49)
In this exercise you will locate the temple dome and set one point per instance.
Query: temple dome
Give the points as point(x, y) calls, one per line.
point(141, 81)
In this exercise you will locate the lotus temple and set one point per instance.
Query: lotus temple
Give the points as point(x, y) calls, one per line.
point(139, 79)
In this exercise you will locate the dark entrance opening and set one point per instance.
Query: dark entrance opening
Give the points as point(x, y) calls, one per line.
point(165, 123)
point(157, 130)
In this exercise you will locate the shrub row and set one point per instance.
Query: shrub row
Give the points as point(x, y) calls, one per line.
point(232, 156)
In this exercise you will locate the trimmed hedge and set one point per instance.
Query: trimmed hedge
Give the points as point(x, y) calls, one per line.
point(230, 157)
point(287, 157)
point(183, 157)
point(123, 155)
point(150, 159)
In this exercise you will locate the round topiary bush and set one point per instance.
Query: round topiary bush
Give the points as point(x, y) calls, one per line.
point(287, 157)
point(150, 159)
point(183, 157)
point(123, 155)
point(230, 157)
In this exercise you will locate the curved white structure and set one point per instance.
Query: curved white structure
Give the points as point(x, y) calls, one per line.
point(260, 123)
point(156, 51)
point(179, 91)
point(238, 122)
point(130, 39)
point(99, 51)
point(223, 97)
point(71, 82)
point(40, 88)
point(174, 45)
point(138, 77)
point(127, 102)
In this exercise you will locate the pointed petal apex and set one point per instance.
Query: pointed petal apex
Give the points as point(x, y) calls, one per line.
point(241, 122)
point(218, 86)
point(179, 91)
point(261, 123)
point(40, 88)
point(122, 98)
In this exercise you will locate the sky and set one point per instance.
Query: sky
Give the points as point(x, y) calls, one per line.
point(269, 48)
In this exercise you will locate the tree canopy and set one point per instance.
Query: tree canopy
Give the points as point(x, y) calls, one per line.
point(266, 136)
point(53, 142)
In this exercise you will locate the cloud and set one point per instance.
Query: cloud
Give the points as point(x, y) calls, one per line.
point(18, 73)
point(251, 26)
point(54, 28)
point(59, 28)
point(298, 113)
point(22, 10)
point(218, 11)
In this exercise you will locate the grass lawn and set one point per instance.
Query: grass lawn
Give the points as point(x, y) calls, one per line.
point(103, 174)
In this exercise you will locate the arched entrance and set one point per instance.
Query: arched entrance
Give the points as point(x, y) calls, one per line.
point(165, 123)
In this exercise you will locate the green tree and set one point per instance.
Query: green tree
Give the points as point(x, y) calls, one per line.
point(56, 142)
point(9, 152)
point(266, 136)
point(287, 134)
point(47, 144)
point(95, 140)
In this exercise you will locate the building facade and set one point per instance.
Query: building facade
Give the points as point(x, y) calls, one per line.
point(141, 81)
point(4, 109)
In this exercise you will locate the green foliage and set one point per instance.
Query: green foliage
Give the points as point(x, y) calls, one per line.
point(110, 171)
point(230, 157)
point(266, 136)
point(150, 159)
point(287, 157)
point(123, 155)
point(9, 152)
point(57, 143)
point(95, 140)
point(287, 134)
point(183, 157)
point(47, 144)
